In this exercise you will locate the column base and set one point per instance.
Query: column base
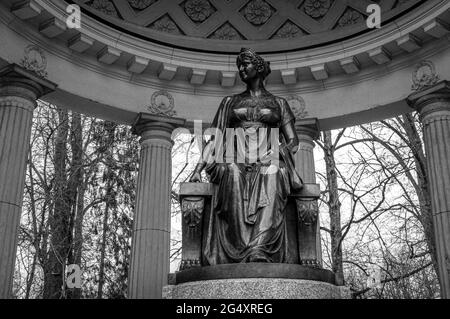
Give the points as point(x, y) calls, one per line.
point(256, 288)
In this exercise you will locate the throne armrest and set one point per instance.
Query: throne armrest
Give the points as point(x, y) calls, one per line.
point(195, 201)
point(308, 191)
point(308, 224)
point(196, 189)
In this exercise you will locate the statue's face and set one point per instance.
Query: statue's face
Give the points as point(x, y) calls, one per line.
point(247, 70)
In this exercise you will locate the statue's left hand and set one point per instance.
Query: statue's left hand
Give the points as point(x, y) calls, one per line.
point(196, 178)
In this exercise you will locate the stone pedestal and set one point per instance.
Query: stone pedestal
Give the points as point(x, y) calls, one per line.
point(256, 288)
point(19, 90)
point(254, 281)
point(151, 229)
point(310, 244)
point(433, 105)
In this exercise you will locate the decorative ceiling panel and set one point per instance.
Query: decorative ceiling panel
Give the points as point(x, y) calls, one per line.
point(309, 22)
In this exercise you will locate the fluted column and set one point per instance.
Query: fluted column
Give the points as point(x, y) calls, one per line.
point(433, 105)
point(19, 90)
point(308, 132)
point(151, 229)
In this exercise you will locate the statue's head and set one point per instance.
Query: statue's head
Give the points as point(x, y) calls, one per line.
point(252, 65)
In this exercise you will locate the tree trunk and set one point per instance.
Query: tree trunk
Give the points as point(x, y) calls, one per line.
point(75, 191)
point(334, 207)
point(109, 201)
point(59, 219)
point(424, 196)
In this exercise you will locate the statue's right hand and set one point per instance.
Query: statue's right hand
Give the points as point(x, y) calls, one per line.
point(196, 178)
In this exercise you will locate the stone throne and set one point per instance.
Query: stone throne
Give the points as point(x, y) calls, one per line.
point(300, 277)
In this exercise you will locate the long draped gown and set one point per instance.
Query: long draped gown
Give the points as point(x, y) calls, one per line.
point(248, 222)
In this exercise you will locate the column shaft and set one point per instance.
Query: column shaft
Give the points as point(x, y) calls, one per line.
point(304, 159)
point(150, 249)
point(15, 128)
point(433, 104)
point(437, 146)
point(151, 233)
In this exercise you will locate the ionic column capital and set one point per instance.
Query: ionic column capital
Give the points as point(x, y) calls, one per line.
point(156, 127)
point(17, 83)
point(308, 130)
point(433, 103)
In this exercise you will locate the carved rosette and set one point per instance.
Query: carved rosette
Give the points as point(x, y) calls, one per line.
point(141, 4)
point(424, 75)
point(34, 60)
point(198, 10)
point(350, 17)
point(162, 103)
point(226, 32)
point(165, 24)
point(288, 30)
point(307, 210)
point(105, 6)
point(192, 210)
point(317, 8)
point(257, 12)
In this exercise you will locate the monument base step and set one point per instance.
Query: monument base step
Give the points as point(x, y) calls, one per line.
point(256, 288)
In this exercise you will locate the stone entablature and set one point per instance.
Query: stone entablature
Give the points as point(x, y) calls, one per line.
point(140, 55)
point(113, 76)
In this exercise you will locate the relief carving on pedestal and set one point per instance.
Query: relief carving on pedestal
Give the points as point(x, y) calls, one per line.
point(308, 211)
point(192, 210)
point(424, 75)
point(162, 103)
point(34, 60)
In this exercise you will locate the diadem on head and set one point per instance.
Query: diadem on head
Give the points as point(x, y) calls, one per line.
point(262, 66)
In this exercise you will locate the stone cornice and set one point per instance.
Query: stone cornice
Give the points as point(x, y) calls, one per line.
point(345, 52)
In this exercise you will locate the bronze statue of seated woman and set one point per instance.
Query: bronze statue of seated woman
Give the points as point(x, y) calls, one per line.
point(248, 223)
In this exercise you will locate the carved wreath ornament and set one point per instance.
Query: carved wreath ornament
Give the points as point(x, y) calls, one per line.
point(162, 103)
point(298, 106)
point(424, 75)
point(257, 12)
point(34, 60)
point(198, 10)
